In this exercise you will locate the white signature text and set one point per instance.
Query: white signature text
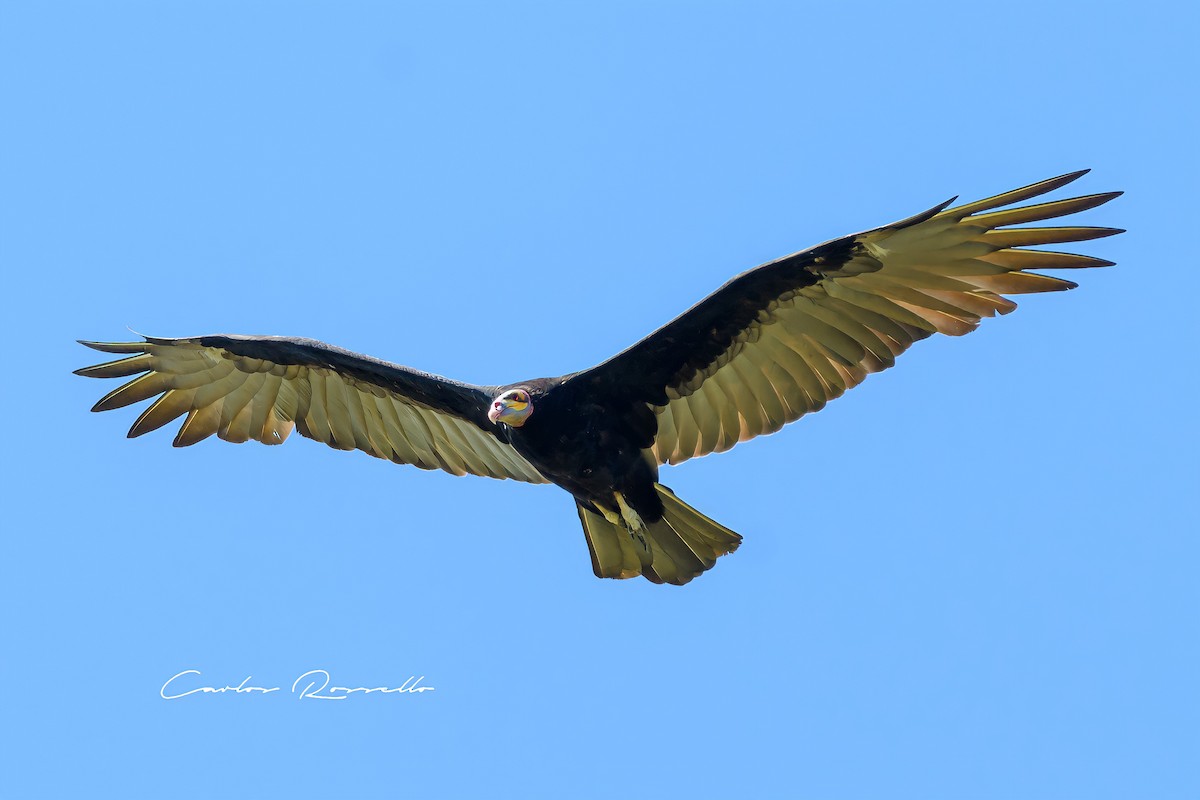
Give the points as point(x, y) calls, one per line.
point(312, 685)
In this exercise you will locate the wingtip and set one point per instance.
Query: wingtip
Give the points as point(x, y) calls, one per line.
point(915, 219)
point(114, 347)
point(1100, 198)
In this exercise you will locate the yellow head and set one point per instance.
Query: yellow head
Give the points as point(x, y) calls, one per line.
point(512, 407)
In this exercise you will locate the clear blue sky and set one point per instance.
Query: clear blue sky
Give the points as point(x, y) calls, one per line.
point(972, 577)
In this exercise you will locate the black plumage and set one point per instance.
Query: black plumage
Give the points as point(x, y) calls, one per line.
point(770, 345)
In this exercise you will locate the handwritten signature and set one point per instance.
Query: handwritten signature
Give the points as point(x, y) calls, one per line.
point(312, 685)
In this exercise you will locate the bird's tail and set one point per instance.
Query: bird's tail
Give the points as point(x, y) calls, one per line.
point(674, 549)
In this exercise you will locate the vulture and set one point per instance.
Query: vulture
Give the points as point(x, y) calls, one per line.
point(773, 344)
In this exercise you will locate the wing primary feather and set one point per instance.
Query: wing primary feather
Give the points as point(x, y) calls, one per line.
point(237, 407)
point(951, 324)
point(172, 405)
point(199, 425)
point(872, 343)
point(977, 304)
point(137, 390)
point(1016, 259)
point(1035, 213)
point(883, 327)
point(1023, 237)
point(235, 401)
point(1021, 283)
point(915, 300)
point(879, 304)
point(115, 347)
point(119, 369)
point(219, 380)
point(1017, 195)
point(239, 427)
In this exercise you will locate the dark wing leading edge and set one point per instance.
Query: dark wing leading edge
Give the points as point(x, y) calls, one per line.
point(261, 387)
point(783, 339)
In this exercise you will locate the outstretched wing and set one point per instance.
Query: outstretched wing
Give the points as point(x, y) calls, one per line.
point(261, 387)
point(783, 339)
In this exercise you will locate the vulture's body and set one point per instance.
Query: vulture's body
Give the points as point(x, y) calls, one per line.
point(769, 346)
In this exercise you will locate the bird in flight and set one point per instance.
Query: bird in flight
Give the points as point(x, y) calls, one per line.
point(771, 345)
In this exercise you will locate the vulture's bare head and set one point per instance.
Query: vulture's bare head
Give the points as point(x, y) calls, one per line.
point(512, 407)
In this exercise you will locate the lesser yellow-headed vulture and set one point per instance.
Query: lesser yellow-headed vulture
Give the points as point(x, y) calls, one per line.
point(771, 345)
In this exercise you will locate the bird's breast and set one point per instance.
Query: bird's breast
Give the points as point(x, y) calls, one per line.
point(585, 450)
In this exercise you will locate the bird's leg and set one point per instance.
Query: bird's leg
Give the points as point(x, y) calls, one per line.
point(609, 514)
point(627, 519)
point(633, 522)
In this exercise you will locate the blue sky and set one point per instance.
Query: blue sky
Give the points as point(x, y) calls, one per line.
point(972, 577)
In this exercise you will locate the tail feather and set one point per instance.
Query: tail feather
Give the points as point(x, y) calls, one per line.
point(720, 539)
point(678, 547)
point(615, 552)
